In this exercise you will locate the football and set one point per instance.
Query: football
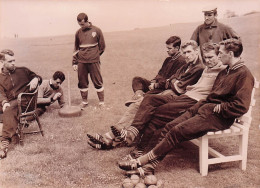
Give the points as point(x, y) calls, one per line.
point(127, 183)
point(140, 185)
point(150, 180)
point(135, 179)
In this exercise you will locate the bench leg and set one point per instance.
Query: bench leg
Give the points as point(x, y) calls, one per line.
point(243, 145)
point(204, 155)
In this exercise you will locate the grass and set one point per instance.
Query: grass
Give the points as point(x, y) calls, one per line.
point(63, 159)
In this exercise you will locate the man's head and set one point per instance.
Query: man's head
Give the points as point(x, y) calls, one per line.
point(82, 19)
point(190, 50)
point(8, 59)
point(210, 14)
point(210, 54)
point(173, 45)
point(57, 79)
point(230, 49)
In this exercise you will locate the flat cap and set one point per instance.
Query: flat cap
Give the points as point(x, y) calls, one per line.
point(209, 9)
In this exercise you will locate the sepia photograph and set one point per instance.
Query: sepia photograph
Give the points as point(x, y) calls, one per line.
point(129, 94)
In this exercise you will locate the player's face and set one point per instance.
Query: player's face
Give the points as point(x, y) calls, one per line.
point(224, 56)
point(189, 53)
point(56, 83)
point(211, 58)
point(171, 50)
point(9, 62)
point(209, 18)
point(82, 23)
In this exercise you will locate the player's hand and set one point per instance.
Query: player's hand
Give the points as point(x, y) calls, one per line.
point(217, 108)
point(56, 96)
point(6, 105)
point(151, 86)
point(75, 67)
point(33, 84)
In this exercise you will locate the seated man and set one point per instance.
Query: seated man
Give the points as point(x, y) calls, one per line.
point(13, 81)
point(170, 66)
point(167, 112)
point(229, 99)
point(50, 91)
point(188, 75)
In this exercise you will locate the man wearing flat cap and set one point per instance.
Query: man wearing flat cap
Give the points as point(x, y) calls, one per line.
point(89, 45)
point(212, 30)
point(13, 81)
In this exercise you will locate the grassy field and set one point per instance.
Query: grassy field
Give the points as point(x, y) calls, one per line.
point(63, 158)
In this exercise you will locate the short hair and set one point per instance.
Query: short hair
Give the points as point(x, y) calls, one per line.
point(209, 46)
point(175, 40)
point(82, 16)
point(192, 43)
point(4, 52)
point(58, 75)
point(234, 45)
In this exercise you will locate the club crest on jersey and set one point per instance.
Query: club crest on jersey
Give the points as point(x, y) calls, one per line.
point(94, 34)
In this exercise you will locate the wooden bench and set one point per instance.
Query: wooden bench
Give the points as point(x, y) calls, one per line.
point(240, 128)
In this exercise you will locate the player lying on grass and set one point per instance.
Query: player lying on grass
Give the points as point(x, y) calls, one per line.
point(229, 99)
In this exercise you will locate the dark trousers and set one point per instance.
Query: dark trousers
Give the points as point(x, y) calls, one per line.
point(190, 126)
point(162, 115)
point(10, 121)
point(160, 109)
point(92, 69)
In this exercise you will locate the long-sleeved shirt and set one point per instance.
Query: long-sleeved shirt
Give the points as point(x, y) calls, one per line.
point(170, 66)
point(89, 45)
point(189, 74)
point(215, 33)
point(45, 92)
point(232, 89)
point(203, 87)
point(15, 82)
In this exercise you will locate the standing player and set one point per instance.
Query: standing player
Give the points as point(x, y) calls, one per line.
point(212, 30)
point(89, 45)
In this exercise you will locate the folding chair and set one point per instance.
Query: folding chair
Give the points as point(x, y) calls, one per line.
point(27, 104)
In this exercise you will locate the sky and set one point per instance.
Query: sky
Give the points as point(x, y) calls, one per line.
point(36, 18)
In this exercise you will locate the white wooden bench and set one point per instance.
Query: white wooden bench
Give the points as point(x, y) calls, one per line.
point(240, 128)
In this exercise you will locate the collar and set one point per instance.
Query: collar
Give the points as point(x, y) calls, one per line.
point(87, 27)
point(218, 66)
point(196, 60)
point(214, 24)
point(237, 65)
point(3, 71)
point(176, 56)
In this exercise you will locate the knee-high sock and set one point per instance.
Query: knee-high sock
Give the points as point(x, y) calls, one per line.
point(157, 154)
point(145, 139)
point(101, 96)
point(129, 134)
